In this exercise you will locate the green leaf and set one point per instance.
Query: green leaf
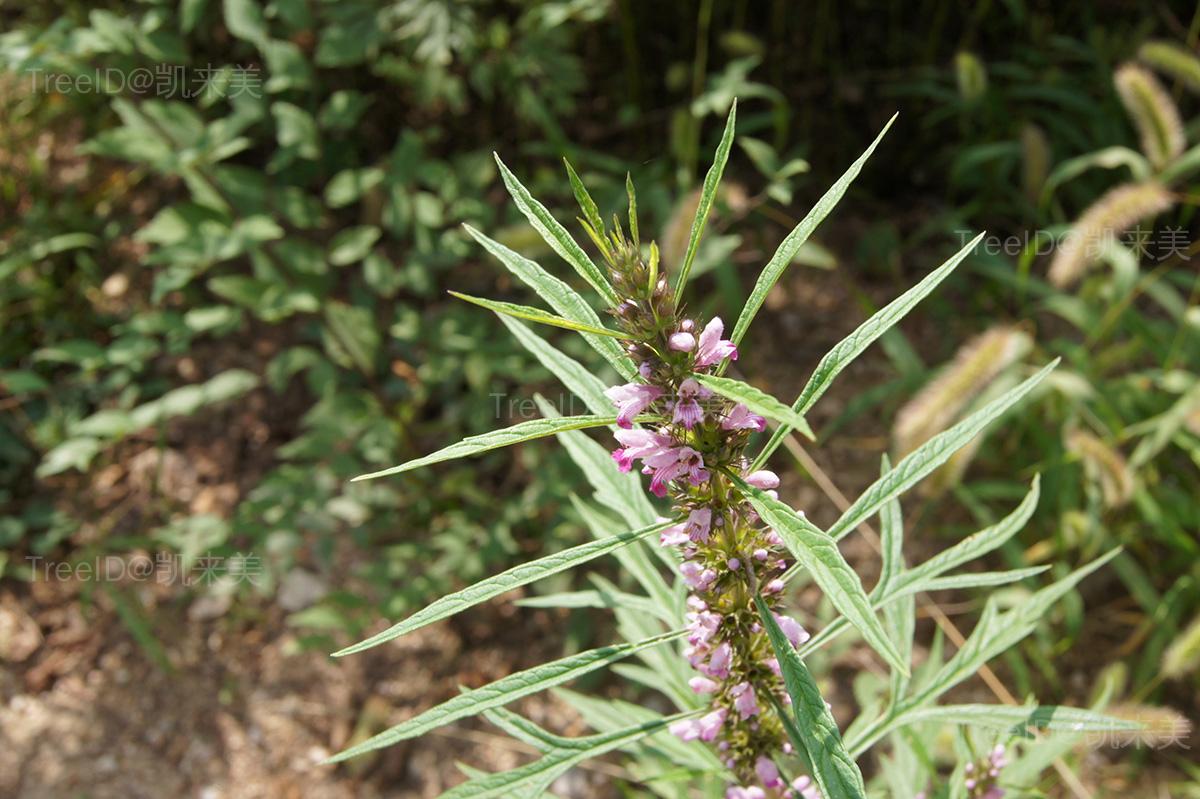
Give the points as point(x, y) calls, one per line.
point(574, 375)
point(504, 691)
point(818, 552)
point(975, 545)
point(891, 535)
point(473, 445)
point(930, 455)
point(524, 730)
point(352, 244)
point(515, 577)
point(596, 598)
point(757, 401)
point(996, 632)
point(833, 768)
point(559, 296)
point(244, 19)
point(852, 346)
point(622, 492)
point(794, 240)
point(591, 212)
point(351, 332)
point(556, 235)
point(707, 195)
point(534, 315)
point(976, 579)
point(518, 781)
point(1052, 718)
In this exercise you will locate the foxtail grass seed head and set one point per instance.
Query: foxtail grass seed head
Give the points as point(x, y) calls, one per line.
point(976, 364)
point(1159, 726)
point(1183, 655)
point(1035, 161)
point(1108, 218)
point(1152, 112)
point(1172, 60)
point(1104, 465)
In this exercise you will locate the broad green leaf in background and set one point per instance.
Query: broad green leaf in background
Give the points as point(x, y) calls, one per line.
point(849, 348)
point(818, 553)
point(503, 691)
point(707, 195)
point(756, 400)
point(534, 315)
point(515, 577)
point(473, 445)
point(833, 768)
point(794, 240)
point(556, 235)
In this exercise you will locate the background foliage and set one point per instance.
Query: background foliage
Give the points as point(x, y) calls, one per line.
point(223, 293)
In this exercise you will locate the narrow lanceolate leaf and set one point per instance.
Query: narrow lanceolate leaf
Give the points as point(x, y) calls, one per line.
point(818, 553)
point(996, 632)
point(473, 445)
point(853, 345)
point(519, 780)
point(930, 455)
point(524, 730)
point(795, 240)
point(707, 196)
point(591, 212)
point(559, 296)
point(515, 577)
point(1050, 718)
point(834, 770)
point(535, 315)
point(578, 379)
point(891, 535)
point(757, 401)
point(556, 235)
point(977, 579)
point(975, 545)
point(504, 691)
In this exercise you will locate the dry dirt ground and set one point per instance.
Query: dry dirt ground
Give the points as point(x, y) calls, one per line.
point(229, 704)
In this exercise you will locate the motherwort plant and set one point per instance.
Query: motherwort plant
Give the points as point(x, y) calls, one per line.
point(708, 619)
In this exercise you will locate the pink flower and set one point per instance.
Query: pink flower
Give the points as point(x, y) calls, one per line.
point(698, 524)
point(718, 664)
point(748, 792)
point(744, 700)
point(764, 479)
point(702, 685)
point(682, 342)
point(767, 772)
point(804, 786)
point(639, 444)
point(792, 629)
point(693, 462)
point(740, 418)
point(702, 626)
point(686, 730)
point(773, 587)
point(673, 536)
point(631, 399)
point(688, 411)
point(712, 348)
point(710, 725)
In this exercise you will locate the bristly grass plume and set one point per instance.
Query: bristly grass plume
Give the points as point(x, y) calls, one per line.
point(713, 560)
